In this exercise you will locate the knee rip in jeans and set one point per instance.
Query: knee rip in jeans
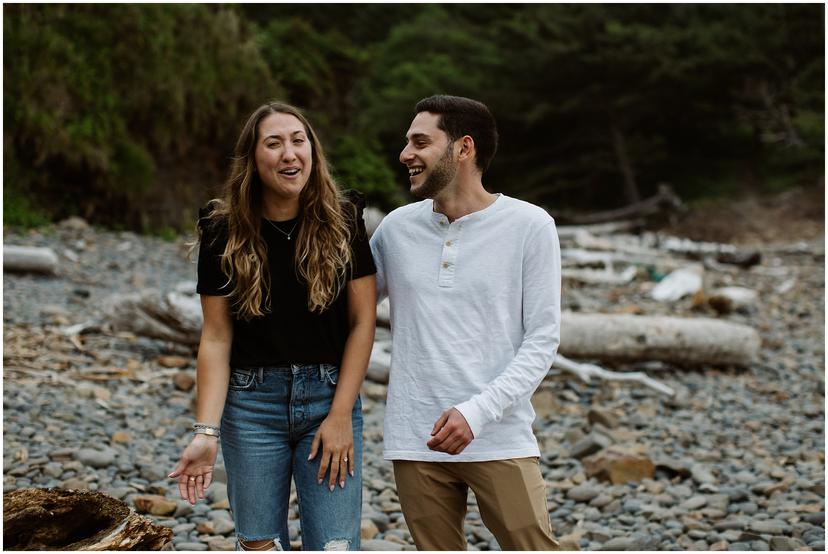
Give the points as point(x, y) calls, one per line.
point(272, 544)
point(337, 544)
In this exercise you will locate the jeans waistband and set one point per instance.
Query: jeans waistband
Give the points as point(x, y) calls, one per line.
point(323, 369)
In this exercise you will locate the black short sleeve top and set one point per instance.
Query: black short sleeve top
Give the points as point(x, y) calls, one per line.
point(289, 333)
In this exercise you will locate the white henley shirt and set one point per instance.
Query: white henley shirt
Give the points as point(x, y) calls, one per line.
point(475, 324)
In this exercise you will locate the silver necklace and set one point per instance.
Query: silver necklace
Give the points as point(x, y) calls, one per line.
point(288, 235)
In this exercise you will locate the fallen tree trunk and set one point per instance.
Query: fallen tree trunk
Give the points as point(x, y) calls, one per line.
point(173, 316)
point(177, 317)
point(585, 372)
point(29, 259)
point(600, 277)
point(663, 202)
point(669, 339)
point(571, 232)
point(57, 519)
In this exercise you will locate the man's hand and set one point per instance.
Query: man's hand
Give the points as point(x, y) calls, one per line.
point(451, 433)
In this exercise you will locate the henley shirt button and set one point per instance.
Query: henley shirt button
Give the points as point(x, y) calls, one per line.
point(448, 243)
point(445, 265)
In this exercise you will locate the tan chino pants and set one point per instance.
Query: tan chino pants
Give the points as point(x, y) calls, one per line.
point(510, 495)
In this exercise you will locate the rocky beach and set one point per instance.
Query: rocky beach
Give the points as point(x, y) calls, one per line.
point(738, 452)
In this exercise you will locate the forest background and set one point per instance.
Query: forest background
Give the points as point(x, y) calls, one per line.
point(126, 115)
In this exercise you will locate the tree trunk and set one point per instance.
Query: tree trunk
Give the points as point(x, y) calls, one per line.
point(57, 519)
point(29, 259)
point(669, 339)
point(624, 164)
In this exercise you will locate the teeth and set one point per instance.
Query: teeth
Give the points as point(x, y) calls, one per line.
point(414, 171)
point(290, 171)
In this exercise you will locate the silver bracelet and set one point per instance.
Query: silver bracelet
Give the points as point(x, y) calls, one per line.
point(205, 429)
point(209, 432)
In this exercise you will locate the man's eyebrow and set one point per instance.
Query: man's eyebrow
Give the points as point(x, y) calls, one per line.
point(417, 136)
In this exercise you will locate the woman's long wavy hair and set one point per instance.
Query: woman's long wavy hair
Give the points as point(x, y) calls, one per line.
point(323, 252)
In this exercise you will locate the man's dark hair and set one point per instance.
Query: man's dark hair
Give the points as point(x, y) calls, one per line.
point(463, 116)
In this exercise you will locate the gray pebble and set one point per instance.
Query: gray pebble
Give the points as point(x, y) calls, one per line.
point(217, 492)
point(618, 543)
point(748, 508)
point(583, 493)
point(154, 472)
point(95, 458)
point(191, 546)
point(184, 509)
point(601, 500)
point(769, 527)
point(785, 543)
point(694, 502)
point(183, 528)
point(380, 544)
point(223, 526)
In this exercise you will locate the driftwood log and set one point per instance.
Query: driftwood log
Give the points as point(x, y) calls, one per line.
point(29, 259)
point(174, 316)
point(669, 339)
point(665, 201)
point(586, 372)
point(635, 338)
point(57, 519)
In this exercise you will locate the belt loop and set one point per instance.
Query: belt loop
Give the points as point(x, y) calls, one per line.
point(322, 372)
point(261, 375)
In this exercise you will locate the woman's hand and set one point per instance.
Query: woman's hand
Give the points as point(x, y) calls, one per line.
point(337, 437)
point(195, 468)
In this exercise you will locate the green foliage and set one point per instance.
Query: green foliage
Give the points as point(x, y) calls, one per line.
point(18, 210)
point(99, 97)
point(359, 166)
point(167, 234)
point(127, 113)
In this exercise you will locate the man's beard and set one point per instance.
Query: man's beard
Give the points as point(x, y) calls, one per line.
point(442, 174)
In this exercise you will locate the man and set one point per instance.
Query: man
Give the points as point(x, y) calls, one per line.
point(474, 284)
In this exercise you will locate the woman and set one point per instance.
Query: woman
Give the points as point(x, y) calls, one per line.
point(288, 294)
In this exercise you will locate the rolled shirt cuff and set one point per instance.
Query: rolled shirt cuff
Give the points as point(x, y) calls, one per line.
point(475, 417)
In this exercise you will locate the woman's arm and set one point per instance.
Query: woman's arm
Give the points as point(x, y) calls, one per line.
point(195, 468)
point(213, 365)
point(336, 432)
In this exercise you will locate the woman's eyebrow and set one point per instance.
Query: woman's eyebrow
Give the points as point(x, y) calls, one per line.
point(279, 136)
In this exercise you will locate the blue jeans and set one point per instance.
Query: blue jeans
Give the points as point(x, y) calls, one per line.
point(270, 418)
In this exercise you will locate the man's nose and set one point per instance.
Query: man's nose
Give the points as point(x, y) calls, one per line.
point(405, 155)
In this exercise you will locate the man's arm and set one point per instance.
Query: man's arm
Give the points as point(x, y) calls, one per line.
point(541, 323)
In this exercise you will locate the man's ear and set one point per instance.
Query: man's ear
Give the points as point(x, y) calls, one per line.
point(467, 149)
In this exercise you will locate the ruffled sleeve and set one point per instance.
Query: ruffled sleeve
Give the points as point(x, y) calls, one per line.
point(211, 279)
point(362, 261)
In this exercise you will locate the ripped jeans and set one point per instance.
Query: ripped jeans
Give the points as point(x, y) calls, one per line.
point(270, 418)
